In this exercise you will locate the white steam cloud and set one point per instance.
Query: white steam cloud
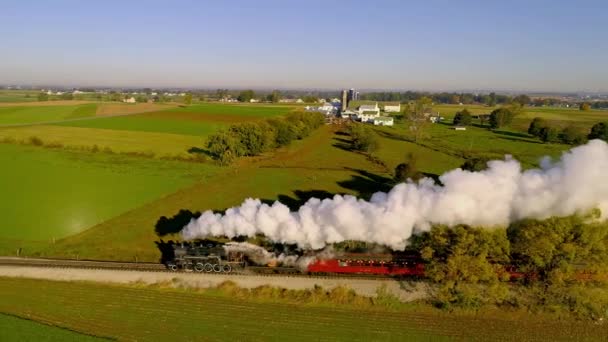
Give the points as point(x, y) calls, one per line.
point(496, 196)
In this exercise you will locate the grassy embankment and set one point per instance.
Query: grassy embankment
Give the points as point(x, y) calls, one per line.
point(163, 313)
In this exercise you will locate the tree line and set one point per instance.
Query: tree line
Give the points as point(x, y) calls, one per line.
point(491, 99)
point(254, 138)
point(562, 263)
point(572, 135)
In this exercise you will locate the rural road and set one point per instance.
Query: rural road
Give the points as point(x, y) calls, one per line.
point(405, 291)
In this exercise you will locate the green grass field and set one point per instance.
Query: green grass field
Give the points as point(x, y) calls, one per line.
point(74, 138)
point(19, 329)
point(18, 95)
point(53, 194)
point(162, 314)
point(198, 120)
point(36, 114)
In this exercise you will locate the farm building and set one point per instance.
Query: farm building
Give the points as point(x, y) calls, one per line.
point(392, 108)
point(383, 121)
point(369, 109)
point(129, 100)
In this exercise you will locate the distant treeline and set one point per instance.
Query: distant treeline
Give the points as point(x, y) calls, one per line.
point(254, 138)
point(490, 99)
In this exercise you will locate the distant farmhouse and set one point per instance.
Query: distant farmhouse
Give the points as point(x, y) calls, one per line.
point(367, 113)
point(392, 108)
point(129, 100)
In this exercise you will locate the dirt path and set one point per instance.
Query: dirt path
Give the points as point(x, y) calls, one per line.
point(406, 291)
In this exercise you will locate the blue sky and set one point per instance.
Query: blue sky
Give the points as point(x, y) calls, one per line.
point(433, 45)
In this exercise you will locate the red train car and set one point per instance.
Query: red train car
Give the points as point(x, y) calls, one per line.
point(379, 264)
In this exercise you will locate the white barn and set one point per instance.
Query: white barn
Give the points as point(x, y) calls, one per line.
point(392, 108)
point(384, 121)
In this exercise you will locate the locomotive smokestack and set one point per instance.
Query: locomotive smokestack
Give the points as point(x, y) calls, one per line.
point(497, 196)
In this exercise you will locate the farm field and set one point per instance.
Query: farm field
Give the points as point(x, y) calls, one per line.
point(52, 194)
point(19, 329)
point(199, 119)
point(154, 313)
point(152, 144)
point(16, 115)
point(18, 95)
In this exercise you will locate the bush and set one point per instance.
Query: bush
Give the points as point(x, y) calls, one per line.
point(475, 164)
point(463, 118)
point(549, 134)
point(584, 106)
point(501, 117)
point(572, 136)
point(599, 131)
point(536, 126)
point(363, 138)
point(36, 141)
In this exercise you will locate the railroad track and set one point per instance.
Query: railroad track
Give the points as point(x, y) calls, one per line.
point(156, 267)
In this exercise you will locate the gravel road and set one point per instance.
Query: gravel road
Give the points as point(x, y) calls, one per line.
point(406, 291)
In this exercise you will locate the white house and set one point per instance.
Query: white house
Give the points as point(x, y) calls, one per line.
point(383, 121)
point(129, 100)
point(367, 113)
point(392, 108)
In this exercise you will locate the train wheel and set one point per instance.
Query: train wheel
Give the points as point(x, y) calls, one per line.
point(217, 268)
point(199, 267)
point(227, 268)
point(208, 268)
point(173, 267)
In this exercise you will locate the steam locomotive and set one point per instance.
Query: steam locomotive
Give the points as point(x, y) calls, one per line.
point(215, 258)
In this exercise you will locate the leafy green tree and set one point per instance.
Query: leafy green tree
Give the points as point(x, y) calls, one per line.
point(310, 99)
point(246, 95)
point(599, 131)
point(141, 99)
point(500, 117)
point(463, 118)
point(417, 114)
point(285, 132)
point(224, 147)
point(552, 248)
point(522, 100)
point(549, 134)
point(43, 97)
point(363, 138)
point(475, 164)
point(251, 137)
point(584, 106)
point(188, 98)
point(408, 169)
point(573, 136)
point(465, 261)
point(274, 97)
point(491, 100)
point(536, 126)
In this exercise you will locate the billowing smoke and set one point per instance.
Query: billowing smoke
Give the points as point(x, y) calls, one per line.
point(496, 196)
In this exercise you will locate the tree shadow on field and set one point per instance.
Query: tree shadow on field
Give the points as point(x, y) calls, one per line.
point(198, 150)
point(343, 144)
point(301, 197)
point(365, 183)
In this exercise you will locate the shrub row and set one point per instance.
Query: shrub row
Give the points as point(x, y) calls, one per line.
point(570, 135)
point(37, 141)
point(254, 138)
